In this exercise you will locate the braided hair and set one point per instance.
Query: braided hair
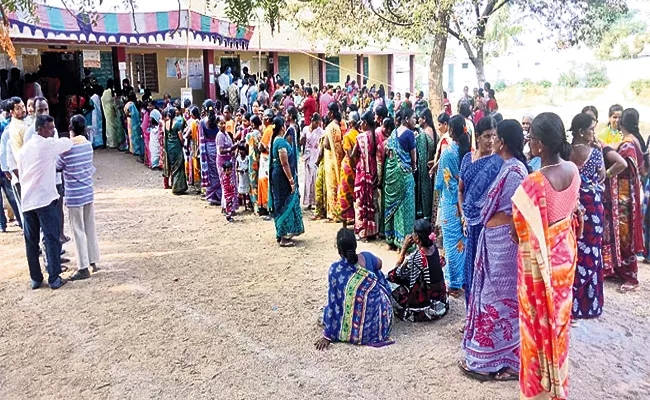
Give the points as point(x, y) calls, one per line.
point(346, 244)
point(278, 124)
point(630, 122)
point(459, 135)
point(210, 108)
point(512, 134)
point(549, 129)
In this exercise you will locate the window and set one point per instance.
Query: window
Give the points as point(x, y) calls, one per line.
point(284, 68)
point(144, 69)
point(332, 71)
point(465, 65)
point(366, 69)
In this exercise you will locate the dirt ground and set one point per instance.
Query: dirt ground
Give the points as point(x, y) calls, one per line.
point(188, 306)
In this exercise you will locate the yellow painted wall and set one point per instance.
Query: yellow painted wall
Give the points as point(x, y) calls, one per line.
point(378, 70)
point(299, 66)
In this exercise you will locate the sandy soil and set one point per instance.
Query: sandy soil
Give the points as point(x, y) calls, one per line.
point(188, 306)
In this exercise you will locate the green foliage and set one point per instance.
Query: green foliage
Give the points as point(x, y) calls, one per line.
point(613, 45)
point(624, 52)
point(640, 86)
point(545, 83)
point(500, 86)
point(568, 79)
point(639, 44)
point(585, 76)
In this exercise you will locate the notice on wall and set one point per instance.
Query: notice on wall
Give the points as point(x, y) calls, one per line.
point(92, 59)
point(29, 52)
point(176, 68)
point(186, 93)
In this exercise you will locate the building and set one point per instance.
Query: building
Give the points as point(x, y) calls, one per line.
point(152, 48)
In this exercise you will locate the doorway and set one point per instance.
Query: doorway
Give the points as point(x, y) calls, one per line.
point(60, 75)
point(234, 64)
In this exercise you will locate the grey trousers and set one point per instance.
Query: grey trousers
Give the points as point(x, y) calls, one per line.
point(82, 224)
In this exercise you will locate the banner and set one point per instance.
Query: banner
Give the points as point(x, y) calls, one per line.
point(176, 68)
point(92, 59)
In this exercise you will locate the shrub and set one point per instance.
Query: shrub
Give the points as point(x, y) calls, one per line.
point(595, 76)
point(500, 86)
point(639, 44)
point(545, 83)
point(624, 52)
point(568, 79)
point(640, 85)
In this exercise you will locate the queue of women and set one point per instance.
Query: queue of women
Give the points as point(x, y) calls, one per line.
point(531, 226)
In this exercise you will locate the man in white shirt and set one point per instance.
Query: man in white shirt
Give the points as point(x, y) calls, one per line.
point(37, 173)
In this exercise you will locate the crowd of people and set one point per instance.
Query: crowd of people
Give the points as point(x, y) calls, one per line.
point(507, 214)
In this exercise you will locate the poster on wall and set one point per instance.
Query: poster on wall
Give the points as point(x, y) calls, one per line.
point(186, 94)
point(92, 59)
point(176, 68)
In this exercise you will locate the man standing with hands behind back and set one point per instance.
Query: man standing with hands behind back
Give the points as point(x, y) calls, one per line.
point(37, 172)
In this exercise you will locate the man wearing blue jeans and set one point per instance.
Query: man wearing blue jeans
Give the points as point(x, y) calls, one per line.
point(5, 175)
point(37, 173)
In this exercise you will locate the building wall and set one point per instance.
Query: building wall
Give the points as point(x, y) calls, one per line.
point(378, 70)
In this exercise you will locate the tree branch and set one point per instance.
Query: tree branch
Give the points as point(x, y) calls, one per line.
point(487, 13)
point(372, 8)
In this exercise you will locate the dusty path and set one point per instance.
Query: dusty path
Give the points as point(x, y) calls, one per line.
point(187, 306)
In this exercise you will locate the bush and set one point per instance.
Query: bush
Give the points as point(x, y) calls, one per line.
point(595, 76)
point(545, 83)
point(639, 44)
point(640, 85)
point(500, 86)
point(624, 52)
point(568, 79)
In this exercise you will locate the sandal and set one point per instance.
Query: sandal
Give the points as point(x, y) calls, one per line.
point(483, 377)
point(287, 244)
point(505, 375)
point(455, 293)
point(628, 287)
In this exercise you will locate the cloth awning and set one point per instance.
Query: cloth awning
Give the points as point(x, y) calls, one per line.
point(134, 28)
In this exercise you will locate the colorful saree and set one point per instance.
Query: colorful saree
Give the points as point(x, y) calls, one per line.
point(364, 187)
point(546, 264)
point(491, 340)
point(477, 177)
point(347, 178)
point(192, 156)
point(146, 120)
point(210, 177)
point(312, 149)
point(588, 283)
point(630, 219)
point(453, 239)
point(358, 307)
point(224, 141)
point(332, 159)
point(108, 106)
point(284, 205)
point(253, 141)
point(399, 192)
point(426, 148)
point(321, 192)
point(134, 126)
point(174, 156)
point(611, 240)
point(378, 196)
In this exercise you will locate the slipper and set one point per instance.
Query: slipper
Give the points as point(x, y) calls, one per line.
point(288, 244)
point(505, 376)
point(628, 287)
point(472, 374)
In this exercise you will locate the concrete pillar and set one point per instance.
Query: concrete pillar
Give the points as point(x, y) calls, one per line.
point(321, 69)
point(360, 70)
point(275, 68)
point(412, 72)
point(209, 84)
point(390, 72)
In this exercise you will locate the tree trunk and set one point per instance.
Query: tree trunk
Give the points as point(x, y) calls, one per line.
point(436, 67)
point(479, 64)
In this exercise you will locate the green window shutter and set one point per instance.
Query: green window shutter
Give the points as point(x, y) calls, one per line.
point(332, 71)
point(284, 68)
point(366, 69)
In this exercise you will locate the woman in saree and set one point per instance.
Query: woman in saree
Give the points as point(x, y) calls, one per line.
point(145, 113)
point(291, 136)
point(310, 141)
point(154, 133)
point(333, 154)
point(387, 126)
point(284, 199)
point(320, 210)
point(174, 161)
point(426, 142)
point(347, 174)
point(491, 340)
point(108, 107)
point(630, 198)
point(417, 282)
point(478, 170)
point(399, 185)
point(365, 179)
point(208, 133)
point(443, 143)
point(253, 142)
point(192, 156)
point(134, 126)
point(547, 223)
point(453, 238)
point(587, 156)
point(226, 152)
point(362, 315)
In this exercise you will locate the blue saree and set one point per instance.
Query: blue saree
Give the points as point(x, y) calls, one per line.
point(284, 205)
point(358, 307)
point(477, 177)
point(137, 140)
point(453, 239)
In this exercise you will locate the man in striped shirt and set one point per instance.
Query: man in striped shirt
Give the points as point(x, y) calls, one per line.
point(77, 167)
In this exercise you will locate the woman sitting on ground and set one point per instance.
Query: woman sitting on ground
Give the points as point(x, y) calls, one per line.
point(359, 292)
point(419, 291)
